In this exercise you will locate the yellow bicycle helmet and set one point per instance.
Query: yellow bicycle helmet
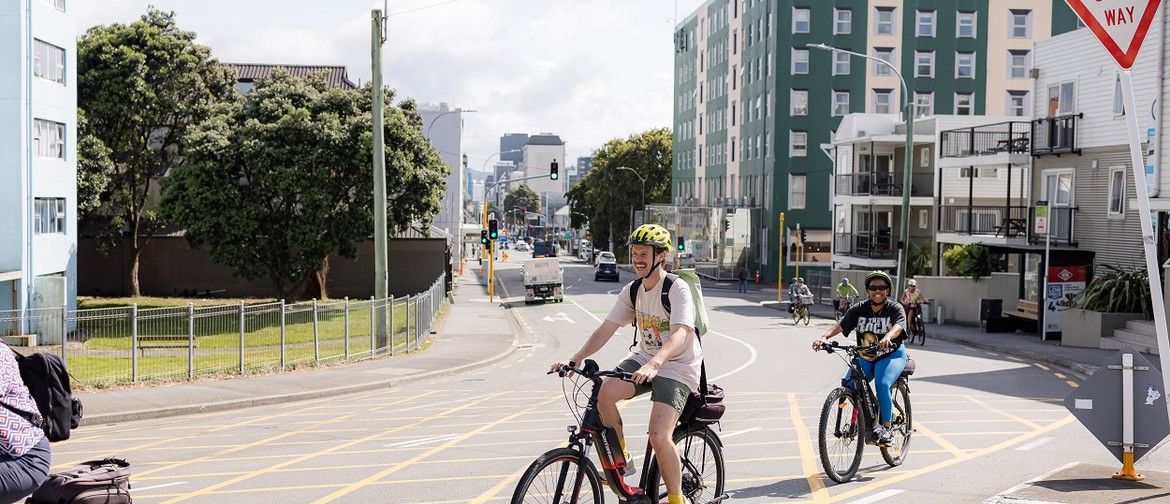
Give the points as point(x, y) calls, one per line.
point(653, 235)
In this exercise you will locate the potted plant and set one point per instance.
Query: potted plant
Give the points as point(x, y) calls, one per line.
point(1106, 304)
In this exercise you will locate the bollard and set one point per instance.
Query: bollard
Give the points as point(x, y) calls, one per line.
point(190, 340)
point(316, 337)
point(133, 343)
point(346, 333)
point(372, 317)
point(282, 323)
point(241, 336)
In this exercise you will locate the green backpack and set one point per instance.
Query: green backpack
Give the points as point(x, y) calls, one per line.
point(693, 286)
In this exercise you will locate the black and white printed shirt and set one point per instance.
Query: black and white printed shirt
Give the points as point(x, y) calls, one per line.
point(871, 327)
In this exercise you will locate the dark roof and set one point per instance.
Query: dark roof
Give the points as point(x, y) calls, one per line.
point(334, 75)
point(545, 140)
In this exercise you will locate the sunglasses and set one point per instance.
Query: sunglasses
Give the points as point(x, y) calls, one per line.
point(877, 288)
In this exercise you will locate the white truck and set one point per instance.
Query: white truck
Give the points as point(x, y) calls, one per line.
point(543, 279)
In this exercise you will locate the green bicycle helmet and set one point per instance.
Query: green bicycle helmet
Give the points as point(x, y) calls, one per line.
point(878, 274)
point(653, 235)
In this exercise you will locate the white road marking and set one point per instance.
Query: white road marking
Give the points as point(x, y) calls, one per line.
point(1007, 493)
point(574, 301)
point(560, 316)
point(736, 433)
point(878, 496)
point(419, 442)
point(152, 487)
point(431, 404)
point(1034, 444)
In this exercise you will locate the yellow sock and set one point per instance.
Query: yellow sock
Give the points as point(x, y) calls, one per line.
point(675, 499)
point(625, 453)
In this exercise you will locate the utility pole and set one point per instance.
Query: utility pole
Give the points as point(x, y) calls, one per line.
point(381, 275)
point(780, 263)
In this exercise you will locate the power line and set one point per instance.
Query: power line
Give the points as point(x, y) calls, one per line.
point(422, 8)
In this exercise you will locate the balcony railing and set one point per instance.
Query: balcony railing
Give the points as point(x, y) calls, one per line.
point(1004, 221)
point(871, 184)
point(1061, 223)
point(1055, 135)
point(874, 245)
point(985, 140)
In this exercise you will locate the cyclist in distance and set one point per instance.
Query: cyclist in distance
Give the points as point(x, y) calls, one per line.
point(844, 292)
point(911, 296)
point(667, 359)
point(796, 289)
point(877, 320)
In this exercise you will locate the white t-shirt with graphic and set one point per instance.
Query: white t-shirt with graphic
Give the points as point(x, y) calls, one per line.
point(654, 325)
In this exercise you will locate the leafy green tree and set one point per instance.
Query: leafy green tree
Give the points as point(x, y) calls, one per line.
point(94, 167)
point(522, 196)
point(288, 175)
point(141, 86)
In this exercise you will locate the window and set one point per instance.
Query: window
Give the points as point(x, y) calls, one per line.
point(925, 24)
point(1118, 99)
point(1117, 191)
point(48, 139)
point(1060, 99)
point(1020, 23)
point(965, 25)
point(1018, 63)
point(797, 143)
point(842, 21)
point(964, 104)
point(883, 20)
point(799, 102)
point(841, 63)
point(923, 104)
point(734, 81)
point(57, 4)
point(48, 215)
point(964, 65)
point(840, 103)
point(733, 149)
point(799, 61)
point(48, 61)
point(883, 100)
point(797, 188)
point(1017, 103)
point(924, 63)
point(885, 54)
point(800, 20)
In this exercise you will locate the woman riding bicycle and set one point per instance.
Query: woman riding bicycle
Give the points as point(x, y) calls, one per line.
point(796, 290)
point(667, 361)
point(878, 320)
point(845, 293)
point(911, 298)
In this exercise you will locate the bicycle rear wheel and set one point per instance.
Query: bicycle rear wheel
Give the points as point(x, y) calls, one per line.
point(560, 475)
point(805, 315)
point(839, 436)
point(900, 424)
point(921, 332)
point(702, 467)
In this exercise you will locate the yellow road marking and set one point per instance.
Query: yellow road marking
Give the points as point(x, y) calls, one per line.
point(406, 463)
point(1072, 384)
point(490, 494)
point(938, 439)
point(1060, 375)
point(1004, 414)
point(286, 463)
point(807, 454)
point(1041, 366)
point(869, 487)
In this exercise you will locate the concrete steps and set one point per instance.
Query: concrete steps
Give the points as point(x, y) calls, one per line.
point(1139, 334)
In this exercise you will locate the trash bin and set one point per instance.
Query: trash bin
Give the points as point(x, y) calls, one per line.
point(927, 316)
point(942, 314)
point(990, 314)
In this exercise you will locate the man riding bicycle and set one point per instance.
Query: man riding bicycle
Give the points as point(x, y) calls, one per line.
point(877, 320)
point(845, 292)
point(667, 360)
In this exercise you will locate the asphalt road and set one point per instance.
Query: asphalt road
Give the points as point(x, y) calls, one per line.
point(984, 422)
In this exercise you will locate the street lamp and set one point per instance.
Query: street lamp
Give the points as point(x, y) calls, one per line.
point(436, 118)
point(908, 107)
point(635, 172)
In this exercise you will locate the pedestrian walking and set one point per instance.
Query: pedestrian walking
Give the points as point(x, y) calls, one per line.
point(742, 275)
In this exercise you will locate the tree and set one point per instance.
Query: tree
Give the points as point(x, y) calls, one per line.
point(290, 170)
point(522, 196)
point(141, 86)
point(94, 167)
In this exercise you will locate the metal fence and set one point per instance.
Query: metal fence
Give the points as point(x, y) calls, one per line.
point(107, 346)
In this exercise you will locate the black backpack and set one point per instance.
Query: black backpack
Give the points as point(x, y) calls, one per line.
point(48, 383)
point(105, 481)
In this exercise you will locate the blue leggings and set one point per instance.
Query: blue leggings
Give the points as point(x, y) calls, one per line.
point(886, 370)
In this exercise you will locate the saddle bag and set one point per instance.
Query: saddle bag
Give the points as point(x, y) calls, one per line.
point(704, 409)
point(105, 481)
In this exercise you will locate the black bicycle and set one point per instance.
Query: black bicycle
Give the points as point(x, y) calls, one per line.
point(917, 329)
point(850, 414)
point(843, 305)
point(567, 475)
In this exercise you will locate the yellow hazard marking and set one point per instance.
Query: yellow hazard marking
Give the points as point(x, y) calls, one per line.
point(1060, 375)
point(938, 439)
point(1041, 366)
point(1005, 414)
point(807, 454)
point(1072, 384)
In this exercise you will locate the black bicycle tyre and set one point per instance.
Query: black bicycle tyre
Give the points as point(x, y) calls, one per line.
point(551, 457)
point(806, 315)
point(715, 449)
point(902, 424)
point(921, 332)
point(827, 433)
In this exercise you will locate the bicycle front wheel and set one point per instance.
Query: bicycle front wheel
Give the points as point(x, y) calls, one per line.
point(804, 314)
point(561, 475)
point(839, 436)
point(921, 332)
point(702, 467)
point(900, 424)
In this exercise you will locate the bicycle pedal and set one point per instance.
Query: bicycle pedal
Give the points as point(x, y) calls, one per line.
point(718, 499)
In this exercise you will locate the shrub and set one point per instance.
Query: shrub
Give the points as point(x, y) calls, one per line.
point(1118, 290)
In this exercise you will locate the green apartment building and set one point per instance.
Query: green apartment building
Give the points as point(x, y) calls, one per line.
point(754, 105)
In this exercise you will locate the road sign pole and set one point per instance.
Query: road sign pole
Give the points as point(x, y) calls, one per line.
point(780, 263)
point(1127, 472)
point(1148, 243)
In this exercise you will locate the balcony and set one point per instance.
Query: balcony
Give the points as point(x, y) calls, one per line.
point(879, 184)
point(1061, 223)
point(999, 221)
point(1055, 135)
point(874, 245)
point(1010, 137)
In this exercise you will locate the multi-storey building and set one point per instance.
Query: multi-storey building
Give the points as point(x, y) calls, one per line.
point(443, 127)
point(38, 158)
point(755, 104)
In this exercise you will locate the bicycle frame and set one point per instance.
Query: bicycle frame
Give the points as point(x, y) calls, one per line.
point(859, 384)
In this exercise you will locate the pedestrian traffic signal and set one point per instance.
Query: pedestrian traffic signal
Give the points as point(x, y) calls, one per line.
point(483, 236)
point(493, 229)
point(681, 244)
point(554, 171)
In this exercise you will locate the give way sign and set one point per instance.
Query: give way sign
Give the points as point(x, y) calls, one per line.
point(1120, 25)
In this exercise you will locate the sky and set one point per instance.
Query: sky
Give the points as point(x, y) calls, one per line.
point(587, 70)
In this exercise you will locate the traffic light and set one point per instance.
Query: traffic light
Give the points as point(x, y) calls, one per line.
point(681, 244)
point(493, 229)
point(726, 224)
point(554, 170)
point(802, 236)
point(483, 236)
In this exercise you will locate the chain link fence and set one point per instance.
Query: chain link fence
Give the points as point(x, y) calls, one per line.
point(110, 346)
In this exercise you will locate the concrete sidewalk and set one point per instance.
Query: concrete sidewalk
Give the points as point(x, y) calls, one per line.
point(470, 334)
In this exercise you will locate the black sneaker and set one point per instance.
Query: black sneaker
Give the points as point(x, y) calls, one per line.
point(885, 437)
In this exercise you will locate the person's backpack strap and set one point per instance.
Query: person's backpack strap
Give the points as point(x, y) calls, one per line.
point(637, 284)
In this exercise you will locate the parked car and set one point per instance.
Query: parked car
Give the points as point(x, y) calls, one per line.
point(686, 260)
point(606, 270)
point(522, 246)
point(604, 255)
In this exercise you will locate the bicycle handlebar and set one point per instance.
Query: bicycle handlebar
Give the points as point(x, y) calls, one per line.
point(849, 349)
point(590, 370)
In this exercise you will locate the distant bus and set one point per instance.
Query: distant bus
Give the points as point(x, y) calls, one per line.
point(542, 248)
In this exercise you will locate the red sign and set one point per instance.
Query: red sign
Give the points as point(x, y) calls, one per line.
point(1068, 274)
point(1118, 24)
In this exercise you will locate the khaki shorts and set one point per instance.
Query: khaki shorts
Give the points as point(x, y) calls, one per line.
point(670, 392)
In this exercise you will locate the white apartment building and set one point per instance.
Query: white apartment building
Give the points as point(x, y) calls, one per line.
point(443, 127)
point(539, 153)
point(38, 156)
